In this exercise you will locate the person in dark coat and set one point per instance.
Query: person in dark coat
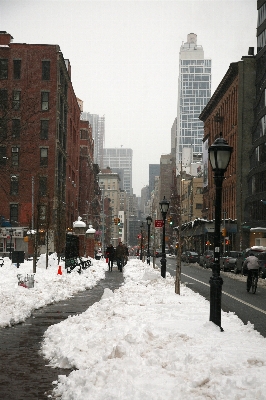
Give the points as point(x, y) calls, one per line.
point(120, 254)
point(110, 254)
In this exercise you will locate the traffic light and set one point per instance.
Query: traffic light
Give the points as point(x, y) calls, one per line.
point(115, 221)
point(170, 221)
point(118, 221)
point(223, 232)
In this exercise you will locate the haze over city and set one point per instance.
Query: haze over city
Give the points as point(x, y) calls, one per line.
point(124, 57)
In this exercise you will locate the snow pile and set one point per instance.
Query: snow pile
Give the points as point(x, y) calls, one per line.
point(145, 342)
point(17, 302)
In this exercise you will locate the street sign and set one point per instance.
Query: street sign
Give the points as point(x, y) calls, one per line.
point(158, 223)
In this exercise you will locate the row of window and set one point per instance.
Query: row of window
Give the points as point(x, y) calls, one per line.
point(17, 69)
point(14, 211)
point(14, 185)
point(16, 100)
point(192, 70)
point(195, 78)
point(206, 63)
point(16, 128)
point(261, 14)
point(15, 156)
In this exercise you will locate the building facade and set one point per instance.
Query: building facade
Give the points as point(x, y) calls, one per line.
point(230, 113)
point(120, 159)
point(40, 148)
point(98, 134)
point(194, 92)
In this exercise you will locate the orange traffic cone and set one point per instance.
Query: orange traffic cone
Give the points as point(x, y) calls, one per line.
point(59, 272)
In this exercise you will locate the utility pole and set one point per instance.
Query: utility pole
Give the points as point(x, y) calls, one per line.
point(178, 264)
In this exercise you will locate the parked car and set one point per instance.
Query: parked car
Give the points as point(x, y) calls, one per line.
point(229, 260)
point(158, 253)
point(262, 261)
point(192, 257)
point(208, 257)
point(184, 256)
point(1, 261)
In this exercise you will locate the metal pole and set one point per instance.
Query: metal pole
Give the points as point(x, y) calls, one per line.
point(163, 259)
point(32, 203)
point(10, 244)
point(141, 242)
point(216, 281)
point(148, 254)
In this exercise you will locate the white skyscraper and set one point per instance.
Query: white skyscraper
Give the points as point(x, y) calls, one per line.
point(120, 161)
point(194, 92)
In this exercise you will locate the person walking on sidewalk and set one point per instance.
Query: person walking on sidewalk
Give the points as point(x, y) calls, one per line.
point(120, 254)
point(126, 254)
point(110, 254)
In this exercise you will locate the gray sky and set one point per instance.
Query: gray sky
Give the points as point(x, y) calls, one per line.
point(124, 58)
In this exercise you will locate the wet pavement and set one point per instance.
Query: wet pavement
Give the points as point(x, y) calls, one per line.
point(24, 374)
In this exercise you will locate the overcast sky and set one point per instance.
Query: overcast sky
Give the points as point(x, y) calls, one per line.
point(124, 57)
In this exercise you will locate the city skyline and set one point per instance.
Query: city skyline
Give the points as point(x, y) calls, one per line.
point(124, 58)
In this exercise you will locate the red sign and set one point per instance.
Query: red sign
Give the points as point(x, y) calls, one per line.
point(158, 223)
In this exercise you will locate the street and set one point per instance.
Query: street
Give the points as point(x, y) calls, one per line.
point(248, 307)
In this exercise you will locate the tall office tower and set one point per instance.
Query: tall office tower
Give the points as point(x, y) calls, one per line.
point(120, 159)
point(98, 133)
point(154, 170)
point(194, 92)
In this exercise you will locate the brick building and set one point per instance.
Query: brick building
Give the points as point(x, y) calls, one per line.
point(39, 144)
point(230, 112)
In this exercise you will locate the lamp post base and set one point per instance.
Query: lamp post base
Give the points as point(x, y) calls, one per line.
point(216, 283)
point(163, 267)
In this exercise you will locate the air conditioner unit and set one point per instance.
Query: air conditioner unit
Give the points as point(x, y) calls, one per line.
point(14, 149)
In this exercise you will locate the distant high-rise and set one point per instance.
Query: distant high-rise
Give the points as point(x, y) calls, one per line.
point(194, 92)
point(154, 170)
point(120, 159)
point(98, 133)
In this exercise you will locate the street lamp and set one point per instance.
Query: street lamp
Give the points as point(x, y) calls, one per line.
point(164, 206)
point(219, 157)
point(141, 240)
point(149, 221)
point(11, 231)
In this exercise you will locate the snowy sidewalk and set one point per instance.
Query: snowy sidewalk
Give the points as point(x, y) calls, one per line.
point(24, 373)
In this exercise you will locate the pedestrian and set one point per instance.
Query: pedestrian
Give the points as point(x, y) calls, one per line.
point(119, 255)
point(126, 254)
point(252, 264)
point(110, 254)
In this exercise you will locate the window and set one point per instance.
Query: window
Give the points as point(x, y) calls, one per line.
point(45, 101)
point(16, 99)
point(3, 99)
point(15, 156)
point(14, 185)
point(44, 129)
point(44, 157)
point(3, 68)
point(45, 70)
point(198, 206)
point(15, 128)
point(16, 69)
point(42, 212)
point(13, 214)
point(3, 128)
point(3, 157)
point(43, 185)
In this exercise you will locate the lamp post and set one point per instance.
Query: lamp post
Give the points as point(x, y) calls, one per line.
point(141, 240)
point(149, 221)
point(164, 206)
point(11, 231)
point(219, 157)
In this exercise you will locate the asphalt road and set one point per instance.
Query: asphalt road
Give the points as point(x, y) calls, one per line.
point(247, 306)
